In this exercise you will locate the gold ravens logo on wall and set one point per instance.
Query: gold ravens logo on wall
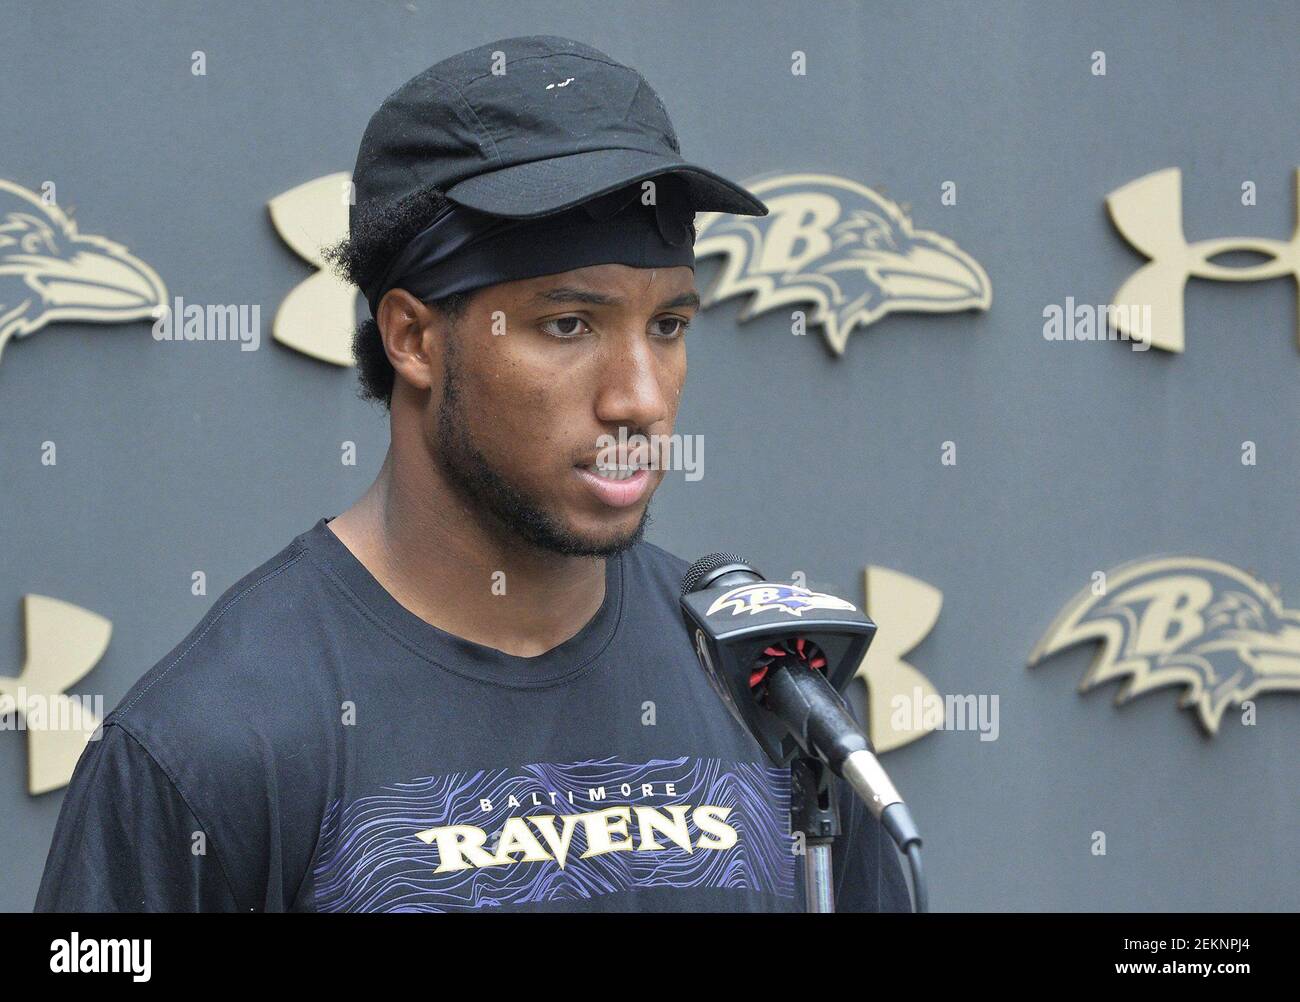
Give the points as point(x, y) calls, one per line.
point(1185, 621)
point(846, 249)
point(49, 272)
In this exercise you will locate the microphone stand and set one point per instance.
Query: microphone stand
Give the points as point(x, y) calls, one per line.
point(813, 811)
point(795, 697)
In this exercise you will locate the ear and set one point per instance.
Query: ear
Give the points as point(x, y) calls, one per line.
point(409, 332)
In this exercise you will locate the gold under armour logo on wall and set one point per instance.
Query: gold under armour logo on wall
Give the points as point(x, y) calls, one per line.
point(49, 272)
point(1188, 621)
point(1148, 213)
point(907, 608)
point(64, 642)
point(319, 314)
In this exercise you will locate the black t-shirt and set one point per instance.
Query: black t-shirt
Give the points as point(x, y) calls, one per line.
point(313, 745)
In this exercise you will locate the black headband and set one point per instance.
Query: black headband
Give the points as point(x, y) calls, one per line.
point(462, 249)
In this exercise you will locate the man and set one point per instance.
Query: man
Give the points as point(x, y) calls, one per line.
point(473, 689)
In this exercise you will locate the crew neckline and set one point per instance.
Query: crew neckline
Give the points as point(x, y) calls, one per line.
point(455, 654)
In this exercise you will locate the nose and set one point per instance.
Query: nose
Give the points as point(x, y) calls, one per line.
point(632, 381)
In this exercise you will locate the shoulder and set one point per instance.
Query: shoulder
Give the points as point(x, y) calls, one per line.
point(240, 679)
point(126, 837)
point(239, 716)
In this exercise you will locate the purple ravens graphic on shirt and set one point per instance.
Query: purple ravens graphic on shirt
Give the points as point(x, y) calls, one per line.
point(553, 832)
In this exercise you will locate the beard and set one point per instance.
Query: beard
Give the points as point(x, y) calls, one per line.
point(516, 511)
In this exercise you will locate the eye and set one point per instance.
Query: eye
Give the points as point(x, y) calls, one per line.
point(682, 325)
point(38, 242)
point(569, 327)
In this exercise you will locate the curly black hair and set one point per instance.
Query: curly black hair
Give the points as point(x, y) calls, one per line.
point(374, 238)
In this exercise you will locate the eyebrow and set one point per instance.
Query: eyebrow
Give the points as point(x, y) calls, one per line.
point(573, 294)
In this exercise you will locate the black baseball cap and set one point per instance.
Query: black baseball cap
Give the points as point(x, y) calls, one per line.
point(557, 123)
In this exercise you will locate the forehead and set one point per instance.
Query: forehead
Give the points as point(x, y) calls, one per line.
point(611, 286)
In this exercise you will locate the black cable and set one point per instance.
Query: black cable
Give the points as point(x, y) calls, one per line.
point(921, 898)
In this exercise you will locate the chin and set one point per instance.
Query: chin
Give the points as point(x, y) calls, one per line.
point(609, 539)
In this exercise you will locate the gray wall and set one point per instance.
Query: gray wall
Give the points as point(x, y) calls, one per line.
point(1071, 457)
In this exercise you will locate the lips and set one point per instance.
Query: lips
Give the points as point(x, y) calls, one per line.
point(618, 486)
point(615, 473)
point(631, 455)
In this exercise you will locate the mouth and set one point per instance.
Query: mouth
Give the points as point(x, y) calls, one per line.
point(614, 471)
point(618, 485)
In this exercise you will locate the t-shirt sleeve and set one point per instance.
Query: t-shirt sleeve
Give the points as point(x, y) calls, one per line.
point(868, 871)
point(126, 840)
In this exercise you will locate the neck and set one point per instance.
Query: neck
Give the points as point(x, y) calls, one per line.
point(433, 553)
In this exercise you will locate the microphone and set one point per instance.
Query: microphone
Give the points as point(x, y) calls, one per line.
point(780, 670)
